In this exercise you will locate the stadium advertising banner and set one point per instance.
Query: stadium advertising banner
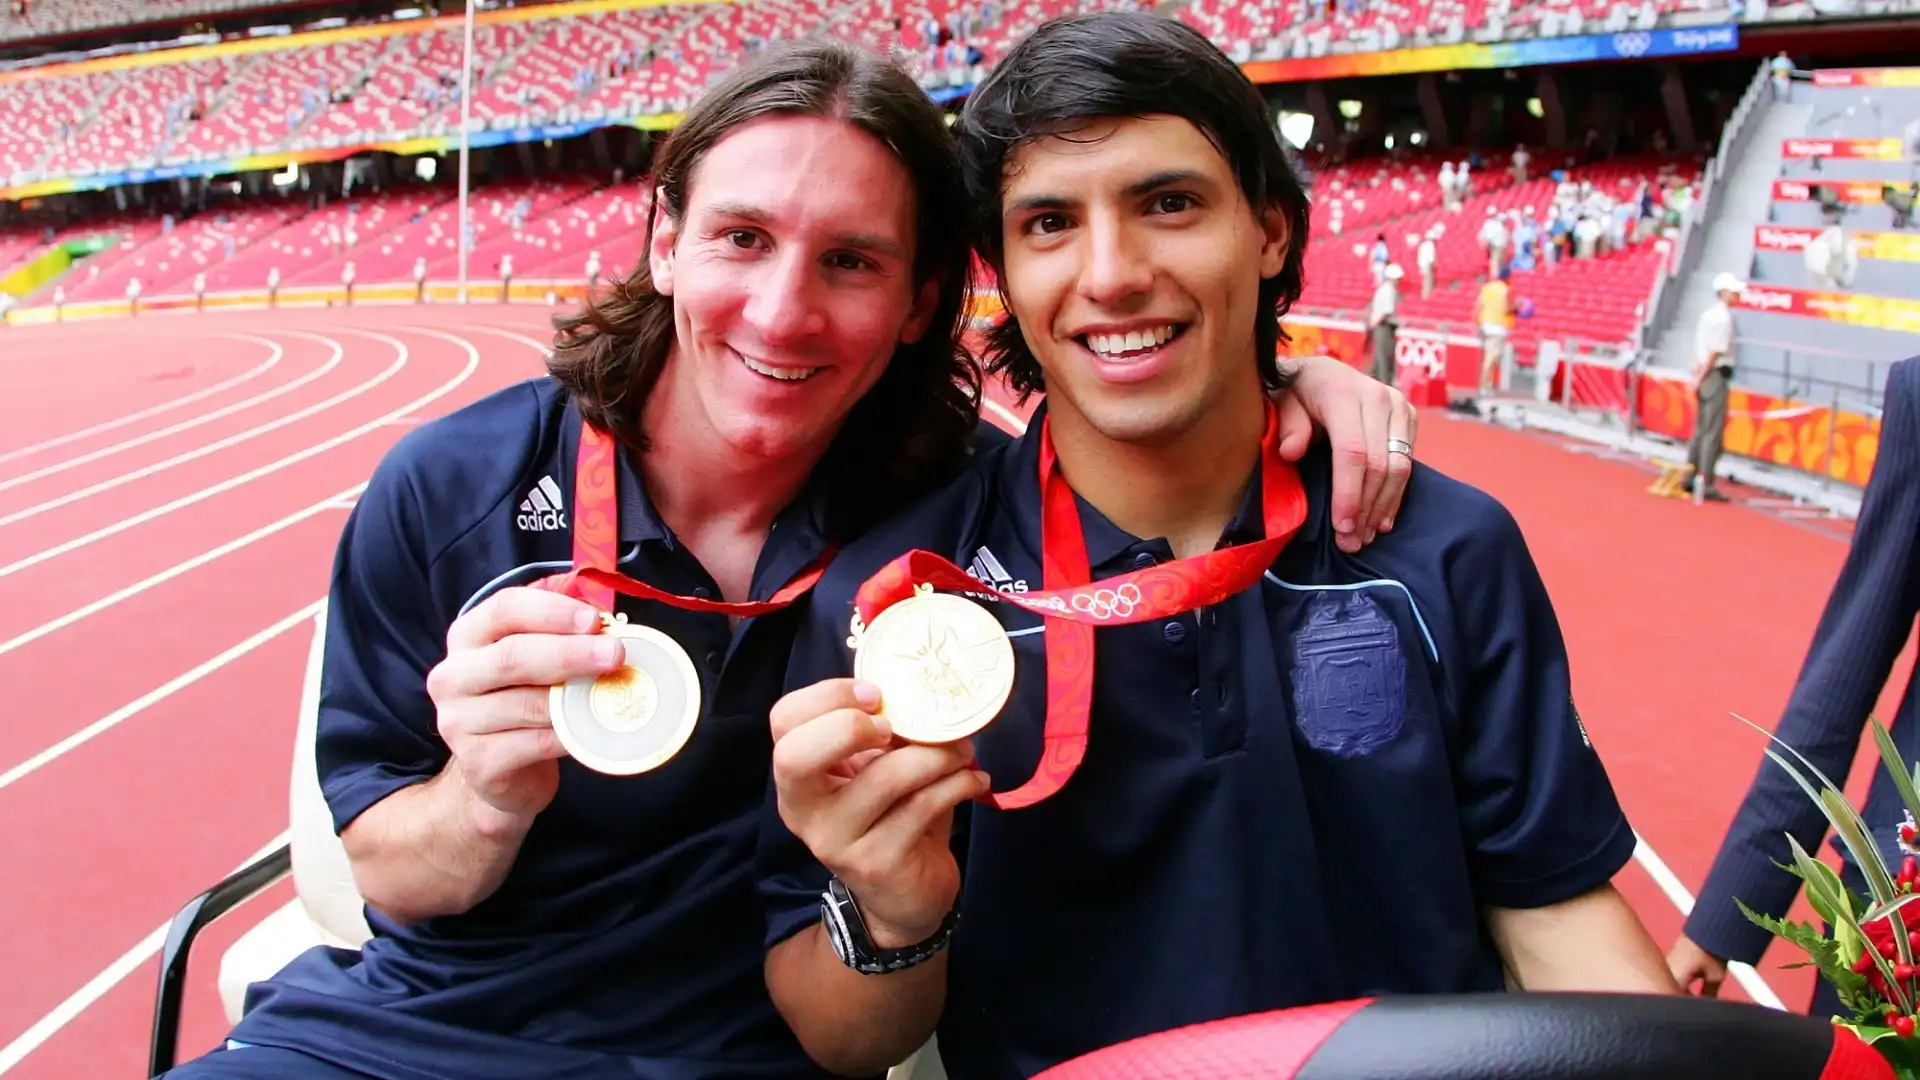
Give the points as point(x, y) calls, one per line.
point(1847, 191)
point(1793, 434)
point(1891, 247)
point(1869, 149)
point(1633, 45)
point(437, 144)
point(1884, 312)
point(1868, 77)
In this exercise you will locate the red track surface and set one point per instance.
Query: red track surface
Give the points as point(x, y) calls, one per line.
point(1676, 617)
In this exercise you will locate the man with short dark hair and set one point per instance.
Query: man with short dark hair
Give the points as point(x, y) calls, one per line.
point(1237, 768)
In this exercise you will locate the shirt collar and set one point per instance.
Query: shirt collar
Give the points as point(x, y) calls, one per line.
point(638, 521)
point(799, 534)
point(1110, 548)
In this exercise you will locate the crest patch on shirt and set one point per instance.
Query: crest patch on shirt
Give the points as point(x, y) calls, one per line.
point(1349, 675)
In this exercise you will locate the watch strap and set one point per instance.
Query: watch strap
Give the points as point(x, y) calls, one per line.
point(847, 933)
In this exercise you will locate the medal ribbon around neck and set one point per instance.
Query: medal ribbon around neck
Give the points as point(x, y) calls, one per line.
point(1073, 605)
point(595, 576)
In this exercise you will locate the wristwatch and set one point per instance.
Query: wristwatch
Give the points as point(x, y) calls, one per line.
point(847, 932)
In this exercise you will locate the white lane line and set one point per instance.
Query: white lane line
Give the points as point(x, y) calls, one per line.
point(274, 354)
point(96, 988)
point(1669, 883)
point(472, 365)
point(153, 697)
point(58, 467)
point(44, 505)
point(331, 502)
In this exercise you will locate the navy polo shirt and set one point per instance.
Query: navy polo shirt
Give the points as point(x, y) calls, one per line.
point(1306, 793)
point(626, 939)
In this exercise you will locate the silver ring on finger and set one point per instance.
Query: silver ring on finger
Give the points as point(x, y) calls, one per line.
point(1399, 446)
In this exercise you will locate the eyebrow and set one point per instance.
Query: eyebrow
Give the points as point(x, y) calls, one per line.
point(1164, 178)
point(868, 242)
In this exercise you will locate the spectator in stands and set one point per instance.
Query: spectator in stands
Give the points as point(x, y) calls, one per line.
point(1427, 256)
point(1494, 239)
point(1861, 633)
point(1495, 312)
point(1900, 201)
point(1520, 161)
point(1383, 322)
point(346, 281)
point(1378, 258)
point(786, 352)
point(506, 277)
point(1447, 189)
point(1832, 259)
point(420, 279)
point(1236, 860)
point(593, 270)
point(273, 286)
point(1782, 68)
point(1712, 377)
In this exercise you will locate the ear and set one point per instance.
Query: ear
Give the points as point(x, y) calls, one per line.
point(1276, 235)
point(925, 302)
point(660, 252)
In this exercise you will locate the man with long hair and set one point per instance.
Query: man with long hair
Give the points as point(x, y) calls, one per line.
point(782, 368)
point(1237, 768)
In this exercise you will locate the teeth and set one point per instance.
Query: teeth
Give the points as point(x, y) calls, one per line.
point(788, 374)
point(1132, 341)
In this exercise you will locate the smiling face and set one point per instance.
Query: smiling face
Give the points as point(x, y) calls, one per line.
point(791, 273)
point(1133, 263)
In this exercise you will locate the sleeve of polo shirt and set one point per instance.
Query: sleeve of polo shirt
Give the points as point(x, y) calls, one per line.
point(1540, 815)
point(791, 879)
point(377, 730)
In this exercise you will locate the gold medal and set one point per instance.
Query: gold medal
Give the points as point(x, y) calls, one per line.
point(636, 717)
point(944, 665)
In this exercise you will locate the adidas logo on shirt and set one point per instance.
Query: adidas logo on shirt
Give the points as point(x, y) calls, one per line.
point(986, 568)
point(542, 510)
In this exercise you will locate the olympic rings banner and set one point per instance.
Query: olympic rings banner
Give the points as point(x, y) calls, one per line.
point(1891, 247)
point(1847, 191)
point(1873, 149)
point(1868, 77)
point(1789, 433)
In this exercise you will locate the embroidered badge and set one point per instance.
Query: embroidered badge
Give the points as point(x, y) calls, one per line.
point(1349, 675)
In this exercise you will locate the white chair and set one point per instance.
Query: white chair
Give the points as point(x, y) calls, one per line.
point(326, 908)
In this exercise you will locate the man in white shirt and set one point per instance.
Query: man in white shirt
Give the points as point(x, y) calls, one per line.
point(1493, 237)
point(1382, 320)
point(1426, 257)
point(1712, 375)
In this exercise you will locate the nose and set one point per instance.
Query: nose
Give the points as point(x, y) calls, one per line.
point(1115, 271)
point(781, 306)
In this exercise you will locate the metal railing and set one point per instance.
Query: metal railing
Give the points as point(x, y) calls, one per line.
point(1703, 211)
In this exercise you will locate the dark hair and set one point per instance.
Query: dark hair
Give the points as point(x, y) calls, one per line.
point(1082, 69)
point(912, 429)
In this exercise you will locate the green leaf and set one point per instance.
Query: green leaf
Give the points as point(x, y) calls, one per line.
point(1890, 757)
point(1850, 986)
point(1881, 911)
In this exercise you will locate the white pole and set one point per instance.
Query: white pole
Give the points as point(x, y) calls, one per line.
point(466, 115)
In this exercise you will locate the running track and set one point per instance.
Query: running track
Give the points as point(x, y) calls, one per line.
point(171, 489)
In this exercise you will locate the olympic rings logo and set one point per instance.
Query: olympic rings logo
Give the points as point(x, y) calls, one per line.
point(1108, 603)
point(1425, 354)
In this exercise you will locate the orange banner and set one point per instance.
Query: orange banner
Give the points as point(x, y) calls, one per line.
point(1885, 312)
point(1867, 77)
point(1876, 149)
point(1892, 247)
point(1793, 434)
point(1847, 191)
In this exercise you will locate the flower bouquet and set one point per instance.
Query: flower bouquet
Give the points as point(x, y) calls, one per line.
point(1870, 951)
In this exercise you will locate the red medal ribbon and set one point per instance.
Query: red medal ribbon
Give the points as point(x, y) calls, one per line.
point(1073, 605)
point(596, 577)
